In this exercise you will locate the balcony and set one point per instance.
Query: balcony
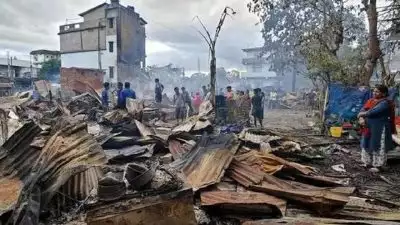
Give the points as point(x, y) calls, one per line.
point(93, 24)
point(258, 60)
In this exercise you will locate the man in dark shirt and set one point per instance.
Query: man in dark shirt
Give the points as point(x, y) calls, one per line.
point(158, 91)
point(120, 87)
point(105, 96)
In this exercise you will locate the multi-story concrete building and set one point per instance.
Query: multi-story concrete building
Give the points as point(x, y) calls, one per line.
point(111, 38)
point(258, 72)
point(15, 68)
point(41, 56)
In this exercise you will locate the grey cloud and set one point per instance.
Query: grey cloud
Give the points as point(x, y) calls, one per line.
point(32, 24)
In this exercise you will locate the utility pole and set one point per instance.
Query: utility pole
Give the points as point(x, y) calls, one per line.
point(98, 45)
point(8, 65)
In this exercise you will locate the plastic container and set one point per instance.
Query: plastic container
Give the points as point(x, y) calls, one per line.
point(336, 131)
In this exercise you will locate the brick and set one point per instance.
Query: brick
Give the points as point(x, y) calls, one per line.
point(77, 79)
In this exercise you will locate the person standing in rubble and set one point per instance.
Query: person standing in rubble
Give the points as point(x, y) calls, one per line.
point(105, 100)
point(378, 120)
point(127, 93)
point(257, 107)
point(158, 91)
point(187, 99)
point(204, 91)
point(231, 105)
point(120, 87)
point(179, 103)
point(197, 102)
point(273, 99)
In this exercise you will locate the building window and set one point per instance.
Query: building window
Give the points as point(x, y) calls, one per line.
point(111, 22)
point(111, 70)
point(257, 68)
point(111, 46)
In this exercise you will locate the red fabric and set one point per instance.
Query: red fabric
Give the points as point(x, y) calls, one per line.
point(371, 103)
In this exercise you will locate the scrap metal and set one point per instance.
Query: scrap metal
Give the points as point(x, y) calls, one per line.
point(244, 200)
point(205, 164)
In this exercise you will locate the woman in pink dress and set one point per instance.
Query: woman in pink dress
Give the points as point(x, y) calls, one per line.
point(197, 101)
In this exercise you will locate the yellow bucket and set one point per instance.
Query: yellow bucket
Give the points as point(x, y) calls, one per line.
point(336, 131)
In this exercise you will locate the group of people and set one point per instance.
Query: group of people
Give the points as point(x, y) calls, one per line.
point(241, 105)
point(122, 92)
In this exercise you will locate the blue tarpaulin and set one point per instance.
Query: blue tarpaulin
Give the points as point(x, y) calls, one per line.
point(344, 103)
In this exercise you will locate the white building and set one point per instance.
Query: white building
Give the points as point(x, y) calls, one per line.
point(111, 38)
point(257, 68)
point(15, 68)
point(41, 56)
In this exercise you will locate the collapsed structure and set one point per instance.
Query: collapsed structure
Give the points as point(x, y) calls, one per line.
point(72, 162)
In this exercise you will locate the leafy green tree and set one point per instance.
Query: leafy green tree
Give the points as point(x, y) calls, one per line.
point(50, 70)
point(308, 32)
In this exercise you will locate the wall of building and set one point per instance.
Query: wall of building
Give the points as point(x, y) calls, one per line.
point(90, 60)
point(132, 46)
point(259, 71)
point(95, 14)
point(80, 60)
point(74, 79)
point(83, 40)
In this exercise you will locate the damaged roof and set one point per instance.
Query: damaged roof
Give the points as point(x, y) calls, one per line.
point(70, 157)
point(205, 164)
point(248, 198)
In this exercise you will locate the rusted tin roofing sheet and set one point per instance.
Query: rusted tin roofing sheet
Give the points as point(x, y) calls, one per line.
point(244, 199)
point(271, 164)
point(205, 164)
point(244, 174)
point(177, 149)
point(9, 193)
point(70, 157)
point(316, 221)
point(187, 126)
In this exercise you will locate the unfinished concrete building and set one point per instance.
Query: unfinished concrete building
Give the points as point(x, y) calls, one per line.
point(111, 38)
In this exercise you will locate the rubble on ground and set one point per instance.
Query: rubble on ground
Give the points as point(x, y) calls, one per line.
point(74, 163)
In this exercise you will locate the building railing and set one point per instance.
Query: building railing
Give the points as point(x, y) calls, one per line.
point(258, 60)
point(82, 25)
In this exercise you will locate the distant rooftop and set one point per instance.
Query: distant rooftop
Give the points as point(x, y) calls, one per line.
point(92, 9)
point(256, 49)
point(45, 52)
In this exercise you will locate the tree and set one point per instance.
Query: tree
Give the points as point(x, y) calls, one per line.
point(211, 42)
point(374, 52)
point(308, 32)
point(50, 70)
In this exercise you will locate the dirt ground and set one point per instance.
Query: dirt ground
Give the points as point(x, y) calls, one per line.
point(384, 185)
point(283, 119)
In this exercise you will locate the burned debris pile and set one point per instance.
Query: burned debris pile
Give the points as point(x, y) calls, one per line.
point(74, 162)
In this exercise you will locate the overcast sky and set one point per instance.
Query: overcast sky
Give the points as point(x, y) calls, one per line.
point(27, 25)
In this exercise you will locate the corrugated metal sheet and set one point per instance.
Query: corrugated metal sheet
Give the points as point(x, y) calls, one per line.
point(270, 163)
point(9, 193)
point(144, 130)
point(67, 164)
point(177, 149)
point(205, 164)
point(187, 126)
point(316, 221)
point(242, 198)
point(244, 174)
point(258, 136)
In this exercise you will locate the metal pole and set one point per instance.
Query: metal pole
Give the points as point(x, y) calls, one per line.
point(98, 45)
point(8, 65)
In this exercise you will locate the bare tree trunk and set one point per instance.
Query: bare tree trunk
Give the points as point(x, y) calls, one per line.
point(213, 76)
point(374, 51)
